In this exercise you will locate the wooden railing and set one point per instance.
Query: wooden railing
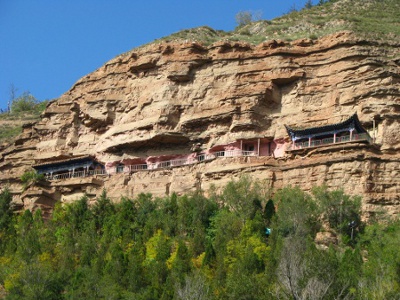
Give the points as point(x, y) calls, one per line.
point(98, 172)
point(77, 174)
point(233, 153)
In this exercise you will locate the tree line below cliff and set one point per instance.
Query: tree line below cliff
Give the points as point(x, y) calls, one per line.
point(238, 243)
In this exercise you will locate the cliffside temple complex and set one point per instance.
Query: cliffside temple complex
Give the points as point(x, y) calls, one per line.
point(84, 166)
point(70, 168)
point(349, 130)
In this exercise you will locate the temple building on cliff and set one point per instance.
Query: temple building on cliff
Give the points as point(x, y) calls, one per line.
point(347, 131)
point(81, 166)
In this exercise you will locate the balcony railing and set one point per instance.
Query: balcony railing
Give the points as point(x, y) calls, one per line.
point(97, 172)
point(330, 141)
point(153, 166)
point(77, 174)
point(233, 153)
point(184, 161)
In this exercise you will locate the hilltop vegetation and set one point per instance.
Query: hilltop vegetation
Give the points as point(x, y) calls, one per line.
point(371, 19)
point(24, 108)
point(197, 247)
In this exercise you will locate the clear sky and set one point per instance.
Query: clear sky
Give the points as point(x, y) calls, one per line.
point(47, 45)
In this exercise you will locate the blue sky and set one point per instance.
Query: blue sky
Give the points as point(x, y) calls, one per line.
point(47, 45)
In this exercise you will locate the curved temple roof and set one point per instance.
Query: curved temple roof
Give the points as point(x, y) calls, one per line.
point(64, 161)
point(65, 164)
point(351, 123)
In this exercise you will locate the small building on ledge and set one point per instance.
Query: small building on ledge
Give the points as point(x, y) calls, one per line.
point(347, 131)
point(81, 166)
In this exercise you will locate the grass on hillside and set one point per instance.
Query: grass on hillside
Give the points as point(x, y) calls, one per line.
point(8, 132)
point(11, 123)
point(372, 19)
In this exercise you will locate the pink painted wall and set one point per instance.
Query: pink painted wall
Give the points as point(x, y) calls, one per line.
point(228, 147)
point(264, 148)
point(280, 146)
point(233, 149)
point(233, 146)
point(110, 167)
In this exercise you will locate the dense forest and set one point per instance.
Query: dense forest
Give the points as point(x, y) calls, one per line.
point(236, 243)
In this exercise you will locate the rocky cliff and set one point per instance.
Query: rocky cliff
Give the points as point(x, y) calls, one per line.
point(166, 100)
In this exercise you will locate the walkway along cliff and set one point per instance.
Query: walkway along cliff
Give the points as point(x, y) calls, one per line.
point(175, 117)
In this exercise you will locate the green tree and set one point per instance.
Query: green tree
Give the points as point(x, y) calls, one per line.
point(146, 218)
point(122, 223)
point(242, 197)
point(6, 221)
point(28, 244)
point(194, 213)
point(269, 211)
point(85, 284)
point(245, 261)
point(339, 210)
point(30, 178)
point(224, 226)
point(24, 103)
point(158, 250)
point(348, 271)
point(297, 213)
point(169, 211)
point(180, 263)
point(37, 281)
point(115, 262)
point(102, 210)
point(381, 270)
point(90, 253)
point(75, 215)
point(135, 280)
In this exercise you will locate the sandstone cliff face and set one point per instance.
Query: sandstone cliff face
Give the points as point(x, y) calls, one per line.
point(162, 99)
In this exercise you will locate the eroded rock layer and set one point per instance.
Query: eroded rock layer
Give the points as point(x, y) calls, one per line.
point(162, 99)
